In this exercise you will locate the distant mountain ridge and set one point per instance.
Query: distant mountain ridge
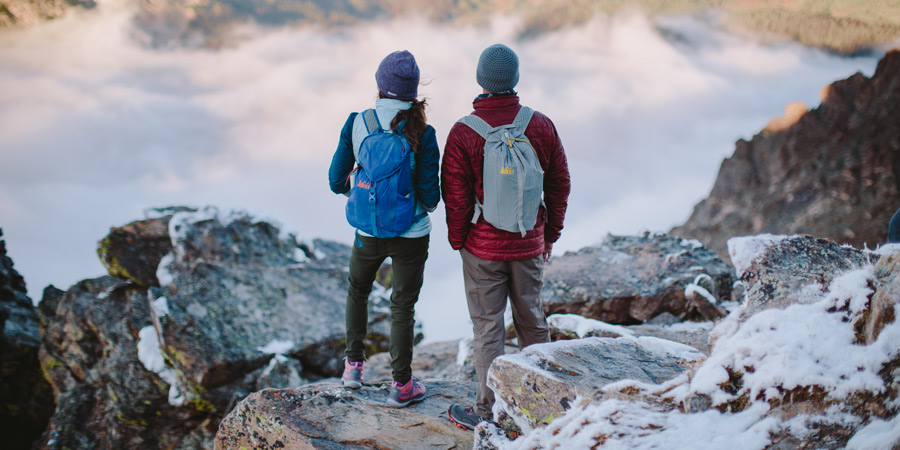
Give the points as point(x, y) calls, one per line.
point(843, 26)
point(832, 172)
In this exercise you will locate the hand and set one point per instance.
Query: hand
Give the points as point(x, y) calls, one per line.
point(548, 249)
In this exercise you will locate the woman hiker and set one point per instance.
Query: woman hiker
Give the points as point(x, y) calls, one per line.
point(387, 163)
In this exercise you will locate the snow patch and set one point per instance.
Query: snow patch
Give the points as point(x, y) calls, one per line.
point(276, 346)
point(161, 307)
point(462, 351)
point(692, 243)
point(277, 359)
point(887, 250)
point(878, 435)
point(745, 250)
point(583, 326)
point(665, 347)
point(150, 355)
point(162, 270)
point(692, 289)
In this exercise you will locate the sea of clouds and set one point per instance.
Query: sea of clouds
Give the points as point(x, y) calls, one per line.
point(94, 128)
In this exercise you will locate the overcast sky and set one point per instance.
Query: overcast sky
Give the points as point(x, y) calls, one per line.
point(94, 128)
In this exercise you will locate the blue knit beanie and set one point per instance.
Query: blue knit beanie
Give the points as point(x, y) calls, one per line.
point(498, 69)
point(398, 76)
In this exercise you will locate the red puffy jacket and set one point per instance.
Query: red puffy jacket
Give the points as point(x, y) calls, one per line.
point(462, 181)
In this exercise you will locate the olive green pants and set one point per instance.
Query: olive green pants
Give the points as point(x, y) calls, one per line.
point(408, 257)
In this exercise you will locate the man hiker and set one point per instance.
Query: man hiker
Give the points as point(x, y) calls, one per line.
point(505, 185)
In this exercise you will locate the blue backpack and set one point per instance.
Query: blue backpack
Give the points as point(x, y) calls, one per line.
point(382, 202)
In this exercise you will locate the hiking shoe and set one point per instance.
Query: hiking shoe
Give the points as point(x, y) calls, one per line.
point(403, 394)
point(464, 417)
point(352, 377)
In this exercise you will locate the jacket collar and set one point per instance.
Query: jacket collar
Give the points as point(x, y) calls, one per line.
point(496, 102)
point(392, 104)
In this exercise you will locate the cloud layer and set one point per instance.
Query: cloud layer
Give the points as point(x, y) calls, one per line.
point(93, 128)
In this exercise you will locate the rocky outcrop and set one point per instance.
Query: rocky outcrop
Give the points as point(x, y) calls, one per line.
point(818, 365)
point(834, 173)
point(814, 263)
point(27, 398)
point(156, 357)
point(328, 416)
point(632, 279)
point(542, 383)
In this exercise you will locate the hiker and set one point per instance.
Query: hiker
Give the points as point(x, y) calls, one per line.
point(387, 163)
point(894, 229)
point(492, 182)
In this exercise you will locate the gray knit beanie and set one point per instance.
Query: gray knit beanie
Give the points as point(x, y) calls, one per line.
point(398, 76)
point(498, 69)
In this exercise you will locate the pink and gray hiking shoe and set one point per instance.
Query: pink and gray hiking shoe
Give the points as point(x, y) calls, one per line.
point(403, 394)
point(352, 377)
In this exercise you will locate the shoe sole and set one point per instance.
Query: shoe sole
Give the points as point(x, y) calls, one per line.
point(351, 384)
point(463, 426)
point(397, 404)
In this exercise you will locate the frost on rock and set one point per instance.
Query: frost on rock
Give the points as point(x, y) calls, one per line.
point(745, 250)
point(277, 347)
point(803, 376)
point(584, 327)
point(150, 355)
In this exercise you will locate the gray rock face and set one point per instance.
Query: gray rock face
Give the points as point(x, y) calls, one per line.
point(327, 416)
point(240, 306)
point(236, 292)
point(541, 383)
point(27, 399)
point(781, 271)
point(107, 397)
point(631, 279)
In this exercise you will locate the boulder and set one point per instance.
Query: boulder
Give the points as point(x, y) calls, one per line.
point(107, 398)
point(27, 398)
point(806, 368)
point(834, 173)
point(328, 416)
point(155, 357)
point(133, 251)
point(542, 382)
point(236, 290)
point(779, 271)
point(632, 279)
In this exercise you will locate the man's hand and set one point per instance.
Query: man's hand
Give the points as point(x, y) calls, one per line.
point(548, 249)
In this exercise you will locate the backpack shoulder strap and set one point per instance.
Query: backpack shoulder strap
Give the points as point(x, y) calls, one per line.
point(371, 121)
point(476, 123)
point(523, 118)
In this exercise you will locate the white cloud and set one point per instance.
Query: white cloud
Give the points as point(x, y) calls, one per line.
point(94, 128)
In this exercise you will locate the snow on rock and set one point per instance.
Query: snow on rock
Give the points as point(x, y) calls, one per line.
point(810, 374)
point(573, 324)
point(748, 249)
point(277, 346)
point(539, 384)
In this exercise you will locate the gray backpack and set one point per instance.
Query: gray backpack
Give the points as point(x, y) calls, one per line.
point(513, 178)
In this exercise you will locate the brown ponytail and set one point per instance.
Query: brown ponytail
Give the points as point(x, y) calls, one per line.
point(415, 121)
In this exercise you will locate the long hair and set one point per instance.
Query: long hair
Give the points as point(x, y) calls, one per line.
point(415, 121)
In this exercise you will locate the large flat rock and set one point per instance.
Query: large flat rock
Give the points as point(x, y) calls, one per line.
point(328, 416)
point(542, 382)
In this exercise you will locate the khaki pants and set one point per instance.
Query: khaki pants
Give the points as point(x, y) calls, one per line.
point(488, 284)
